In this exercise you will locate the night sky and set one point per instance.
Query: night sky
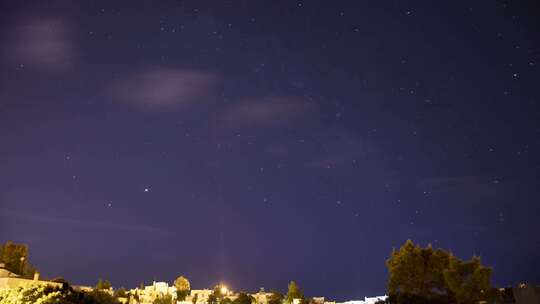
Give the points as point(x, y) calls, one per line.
point(258, 142)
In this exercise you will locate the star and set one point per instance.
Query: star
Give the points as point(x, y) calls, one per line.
point(146, 189)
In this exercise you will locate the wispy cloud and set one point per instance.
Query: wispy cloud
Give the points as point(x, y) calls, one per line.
point(160, 88)
point(76, 222)
point(265, 112)
point(40, 41)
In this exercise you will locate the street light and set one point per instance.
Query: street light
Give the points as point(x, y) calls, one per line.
point(21, 270)
point(224, 290)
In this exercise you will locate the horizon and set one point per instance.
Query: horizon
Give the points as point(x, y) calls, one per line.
point(258, 142)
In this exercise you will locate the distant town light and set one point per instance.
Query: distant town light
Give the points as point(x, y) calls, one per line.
point(224, 290)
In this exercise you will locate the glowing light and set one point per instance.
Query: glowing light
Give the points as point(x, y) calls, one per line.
point(224, 290)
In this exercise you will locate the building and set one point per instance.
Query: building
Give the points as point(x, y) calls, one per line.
point(154, 291)
point(318, 300)
point(199, 296)
point(367, 300)
point(262, 296)
point(526, 294)
point(10, 280)
point(82, 288)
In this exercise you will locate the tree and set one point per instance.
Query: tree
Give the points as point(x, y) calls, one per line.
point(64, 282)
point(30, 294)
point(50, 295)
point(219, 293)
point(121, 293)
point(165, 299)
point(194, 298)
point(468, 280)
point(101, 285)
point(15, 258)
point(294, 292)
point(416, 274)
point(242, 299)
point(275, 298)
point(212, 299)
point(182, 288)
point(99, 297)
point(425, 275)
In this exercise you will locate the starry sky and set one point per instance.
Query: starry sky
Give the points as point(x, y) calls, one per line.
point(256, 142)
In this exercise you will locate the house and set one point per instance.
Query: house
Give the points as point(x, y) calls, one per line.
point(199, 295)
point(526, 294)
point(261, 297)
point(154, 291)
point(9, 279)
point(367, 300)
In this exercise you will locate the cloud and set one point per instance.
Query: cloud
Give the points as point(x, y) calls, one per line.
point(42, 42)
point(80, 222)
point(163, 87)
point(276, 111)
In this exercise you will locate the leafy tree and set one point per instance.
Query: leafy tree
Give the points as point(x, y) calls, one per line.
point(15, 258)
point(212, 299)
point(165, 299)
point(121, 293)
point(217, 294)
point(194, 298)
point(468, 280)
point(64, 282)
point(182, 288)
point(29, 294)
point(424, 275)
point(99, 297)
point(218, 291)
point(294, 292)
point(49, 295)
point(101, 285)
point(135, 296)
point(275, 298)
point(242, 299)
point(416, 274)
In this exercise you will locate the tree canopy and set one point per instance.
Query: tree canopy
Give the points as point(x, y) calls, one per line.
point(182, 288)
point(469, 281)
point(275, 298)
point(164, 299)
point(48, 295)
point(212, 299)
point(294, 292)
point(121, 293)
point(15, 258)
point(425, 275)
point(242, 299)
point(103, 284)
point(218, 292)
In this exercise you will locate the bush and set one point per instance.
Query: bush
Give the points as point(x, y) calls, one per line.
point(30, 294)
